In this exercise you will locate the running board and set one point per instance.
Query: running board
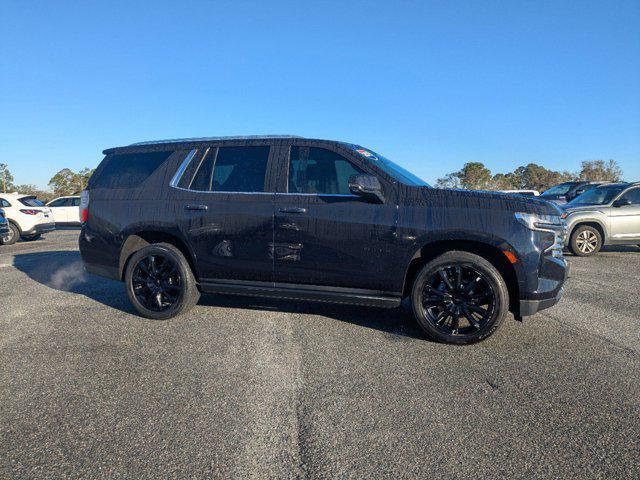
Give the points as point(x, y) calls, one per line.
point(308, 293)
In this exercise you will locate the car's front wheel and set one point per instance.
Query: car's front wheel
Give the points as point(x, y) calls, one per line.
point(160, 283)
point(459, 298)
point(12, 237)
point(585, 241)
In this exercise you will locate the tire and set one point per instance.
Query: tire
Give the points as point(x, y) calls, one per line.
point(467, 309)
point(31, 238)
point(14, 235)
point(173, 281)
point(585, 241)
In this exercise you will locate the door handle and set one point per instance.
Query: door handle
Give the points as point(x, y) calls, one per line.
point(293, 210)
point(195, 207)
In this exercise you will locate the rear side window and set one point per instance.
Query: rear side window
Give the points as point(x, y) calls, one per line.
point(4, 203)
point(128, 170)
point(227, 169)
point(319, 171)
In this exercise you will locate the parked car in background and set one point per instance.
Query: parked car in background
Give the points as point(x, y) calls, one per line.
point(605, 215)
point(527, 193)
point(315, 220)
point(4, 226)
point(66, 210)
point(28, 217)
point(567, 191)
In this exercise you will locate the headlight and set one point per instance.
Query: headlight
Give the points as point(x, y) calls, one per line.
point(546, 223)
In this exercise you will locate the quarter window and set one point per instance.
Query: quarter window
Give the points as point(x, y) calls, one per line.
point(319, 171)
point(128, 170)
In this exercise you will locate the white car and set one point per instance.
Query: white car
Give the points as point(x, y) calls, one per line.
point(527, 193)
point(28, 217)
point(66, 210)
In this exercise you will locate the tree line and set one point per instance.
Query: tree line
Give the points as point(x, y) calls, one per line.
point(65, 182)
point(476, 176)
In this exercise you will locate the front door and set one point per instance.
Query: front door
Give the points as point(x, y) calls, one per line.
point(225, 213)
point(325, 235)
point(625, 220)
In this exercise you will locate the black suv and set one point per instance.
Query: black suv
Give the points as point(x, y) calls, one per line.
point(320, 220)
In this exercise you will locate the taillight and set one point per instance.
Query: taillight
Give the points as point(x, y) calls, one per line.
point(84, 206)
point(30, 212)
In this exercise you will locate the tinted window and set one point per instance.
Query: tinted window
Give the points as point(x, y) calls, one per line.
point(240, 169)
point(558, 190)
point(202, 179)
point(633, 195)
point(31, 202)
point(128, 170)
point(597, 196)
point(320, 171)
point(4, 203)
point(75, 202)
point(62, 202)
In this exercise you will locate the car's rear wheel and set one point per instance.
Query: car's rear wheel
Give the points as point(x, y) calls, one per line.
point(459, 298)
point(585, 241)
point(160, 283)
point(12, 237)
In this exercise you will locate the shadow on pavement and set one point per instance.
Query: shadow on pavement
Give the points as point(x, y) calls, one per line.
point(64, 271)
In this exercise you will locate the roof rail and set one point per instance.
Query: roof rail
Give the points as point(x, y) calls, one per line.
point(212, 139)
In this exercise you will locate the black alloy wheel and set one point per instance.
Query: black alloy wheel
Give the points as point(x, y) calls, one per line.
point(460, 298)
point(160, 283)
point(157, 283)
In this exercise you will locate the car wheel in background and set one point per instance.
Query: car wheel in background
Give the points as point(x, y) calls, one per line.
point(585, 241)
point(459, 298)
point(12, 237)
point(30, 238)
point(160, 283)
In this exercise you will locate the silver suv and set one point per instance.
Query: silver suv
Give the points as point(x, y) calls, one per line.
point(606, 215)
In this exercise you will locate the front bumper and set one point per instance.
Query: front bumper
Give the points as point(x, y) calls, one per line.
point(40, 228)
point(531, 307)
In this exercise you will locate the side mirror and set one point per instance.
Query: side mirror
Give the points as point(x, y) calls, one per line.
point(367, 187)
point(622, 202)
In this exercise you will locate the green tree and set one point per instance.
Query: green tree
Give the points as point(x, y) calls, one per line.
point(6, 179)
point(451, 180)
point(474, 175)
point(68, 182)
point(599, 170)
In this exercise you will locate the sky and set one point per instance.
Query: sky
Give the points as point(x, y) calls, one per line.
point(429, 84)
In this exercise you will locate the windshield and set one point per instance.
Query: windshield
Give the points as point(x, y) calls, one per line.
point(391, 168)
point(597, 196)
point(561, 189)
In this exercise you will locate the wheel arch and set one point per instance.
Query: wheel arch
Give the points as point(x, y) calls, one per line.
point(590, 223)
point(492, 253)
point(15, 224)
point(140, 239)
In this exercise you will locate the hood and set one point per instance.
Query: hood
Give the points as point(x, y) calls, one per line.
point(583, 208)
point(480, 199)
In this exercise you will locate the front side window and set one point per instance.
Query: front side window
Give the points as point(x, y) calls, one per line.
point(319, 171)
point(633, 195)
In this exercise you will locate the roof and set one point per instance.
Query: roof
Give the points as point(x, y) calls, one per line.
point(213, 139)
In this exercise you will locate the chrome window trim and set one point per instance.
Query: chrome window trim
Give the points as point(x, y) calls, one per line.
point(183, 166)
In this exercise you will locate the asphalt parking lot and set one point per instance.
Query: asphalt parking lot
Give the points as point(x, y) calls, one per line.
point(245, 387)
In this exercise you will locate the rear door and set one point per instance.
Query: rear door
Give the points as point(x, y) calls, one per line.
point(225, 211)
point(325, 235)
point(625, 220)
